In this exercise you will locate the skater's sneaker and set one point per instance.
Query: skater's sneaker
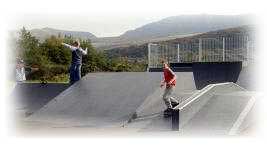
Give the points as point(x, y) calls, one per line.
point(168, 112)
point(174, 104)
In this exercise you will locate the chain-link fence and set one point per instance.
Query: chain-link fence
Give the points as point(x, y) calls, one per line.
point(217, 49)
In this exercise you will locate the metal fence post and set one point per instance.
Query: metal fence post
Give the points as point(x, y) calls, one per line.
point(200, 50)
point(178, 53)
point(148, 55)
point(223, 49)
point(248, 50)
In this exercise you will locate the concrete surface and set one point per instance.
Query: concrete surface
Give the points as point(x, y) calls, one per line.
point(29, 97)
point(108, 100)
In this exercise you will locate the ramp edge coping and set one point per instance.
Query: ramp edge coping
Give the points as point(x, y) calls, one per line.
point(198, 94)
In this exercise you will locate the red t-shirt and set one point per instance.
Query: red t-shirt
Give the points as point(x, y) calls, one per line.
point(168, 75)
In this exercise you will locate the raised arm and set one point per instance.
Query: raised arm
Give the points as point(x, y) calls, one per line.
point(29, 69)
point(72, 48)
point(84, 52)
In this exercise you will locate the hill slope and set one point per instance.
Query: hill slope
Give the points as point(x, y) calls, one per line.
point(165, 29)
point(186, 24)
point(139, 52)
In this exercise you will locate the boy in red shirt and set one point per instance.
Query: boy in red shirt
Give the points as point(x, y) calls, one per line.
point(170, 81)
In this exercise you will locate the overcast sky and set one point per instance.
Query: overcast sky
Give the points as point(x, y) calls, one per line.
point(100, 25)
point(109, 17)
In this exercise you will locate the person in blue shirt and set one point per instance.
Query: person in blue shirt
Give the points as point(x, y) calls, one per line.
point(76, 60)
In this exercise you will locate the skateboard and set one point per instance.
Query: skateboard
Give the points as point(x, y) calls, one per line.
point(168, 112)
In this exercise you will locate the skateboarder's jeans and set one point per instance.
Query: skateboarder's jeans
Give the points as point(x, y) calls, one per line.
point(75, 73)
point(167, 97)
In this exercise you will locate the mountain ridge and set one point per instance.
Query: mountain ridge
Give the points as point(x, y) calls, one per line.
point(187, 24)
point(164, 29)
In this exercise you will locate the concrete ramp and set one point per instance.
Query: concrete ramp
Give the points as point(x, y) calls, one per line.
point(220, 109)
point(219, 115)
point(217, 109)
point(106, 99)
point(102, 100)
point(30, 97)
point(247, 78)
point(150, 112)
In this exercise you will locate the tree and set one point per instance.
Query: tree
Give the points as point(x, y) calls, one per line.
point(55, 52)
point(27, 41)
point(53, 59)
point(94, 61)
point(29, 49)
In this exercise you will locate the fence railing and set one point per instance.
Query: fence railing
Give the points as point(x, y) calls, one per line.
point(217, 49)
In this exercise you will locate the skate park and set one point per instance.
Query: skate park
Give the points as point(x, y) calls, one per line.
point(85, 105)
point(215, 98)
